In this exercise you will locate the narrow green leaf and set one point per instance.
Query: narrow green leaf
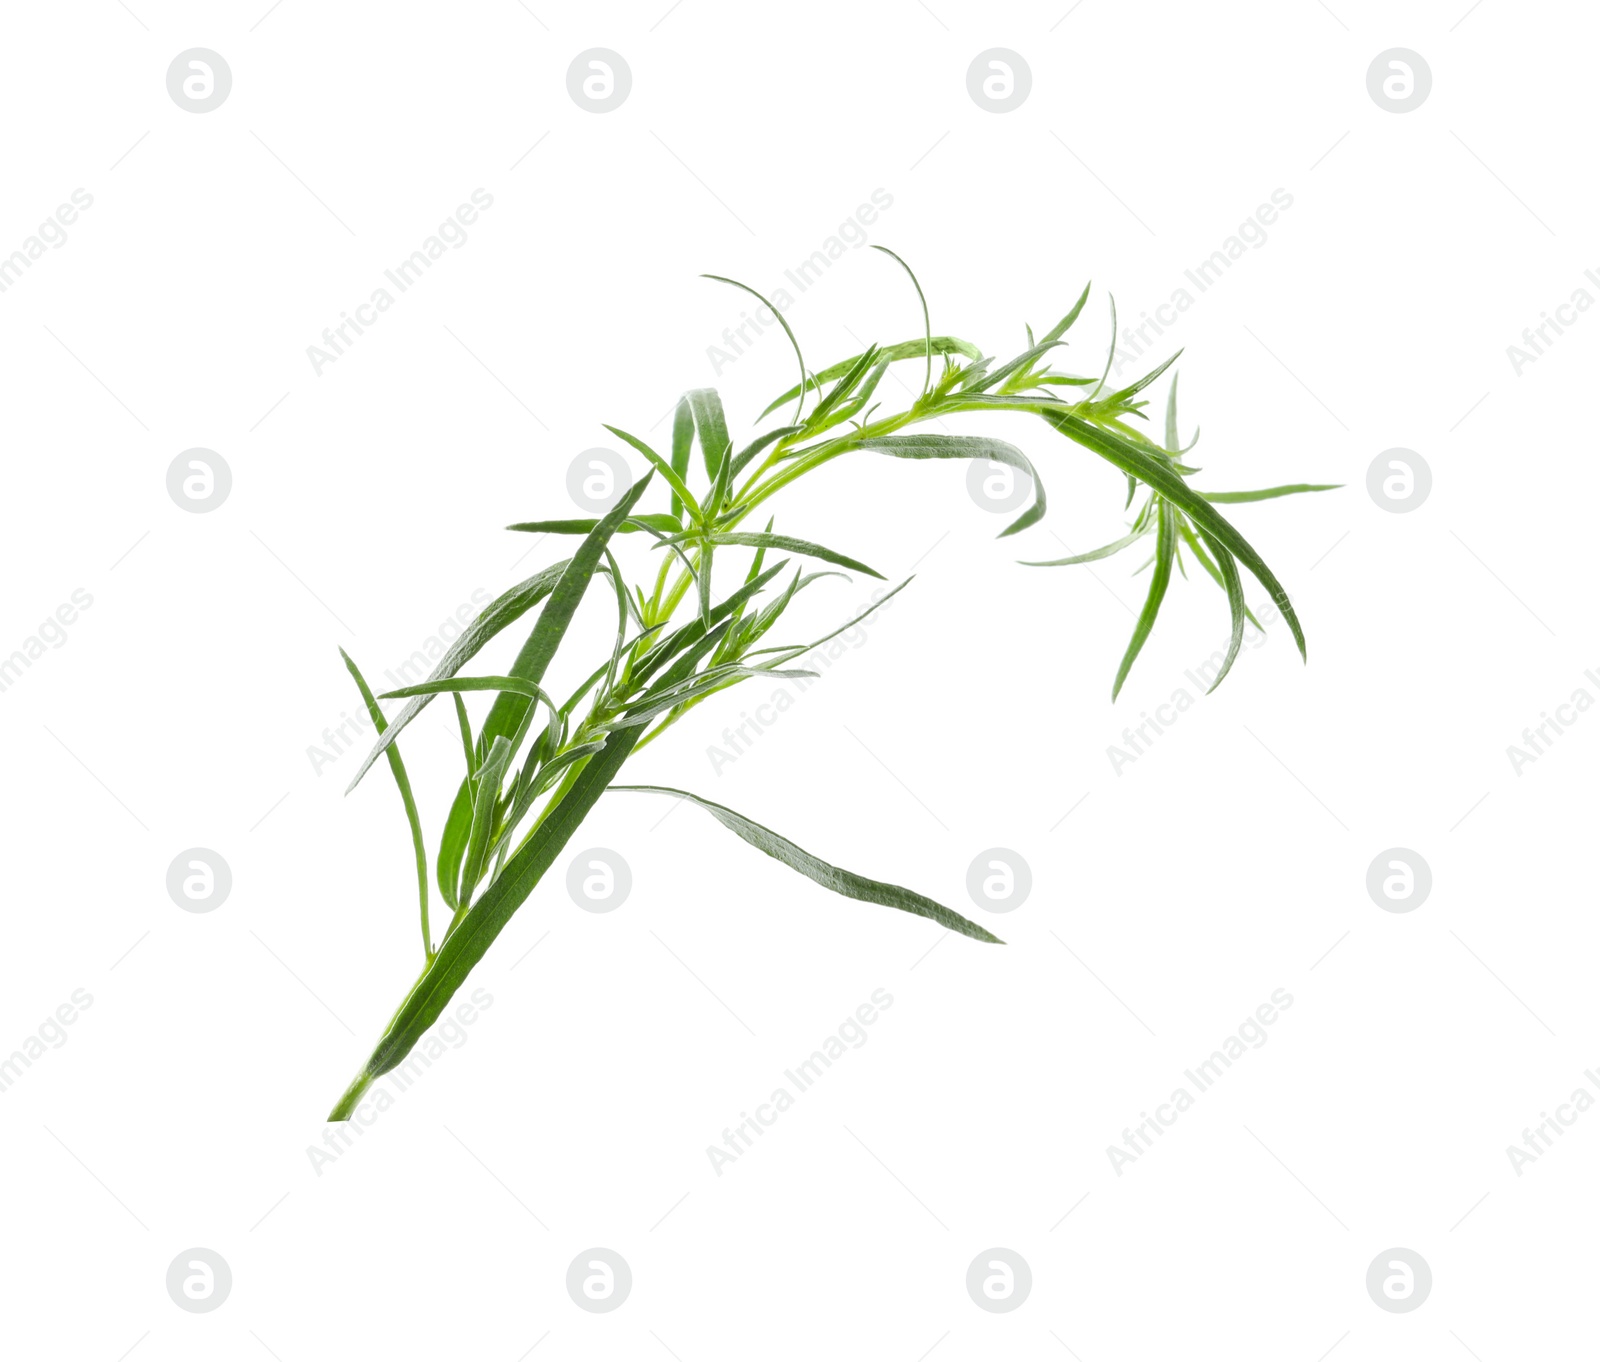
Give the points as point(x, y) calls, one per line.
point(485, 805)
point(1236, 608)
point(463, 684)
point(742, 459)
point(1111, 350)
point(682, 440)
point(1094, 555)
point(666, 524)
point(978, 401)
point(712, 427)
point(453, 844)
point(927, 327)
point(1138, 385)
point(760, 555)
point(677, 484)
point(553, 768)
point(795, 650)
point(930, 446)
point(464, 727)
point(720, 486)
point(521, 793)
point(703, 582)
point(403, 781)
point(868, 387)
point(1061, 328)
point(767, 616)
point(1166, 544)
point(971, 377)
point(845, 882)
point(691, 657)
point(1207, 562)
point(1267, 493)
point(788, 544)
point(731, 638)
point(622, 623)
point(786, 331)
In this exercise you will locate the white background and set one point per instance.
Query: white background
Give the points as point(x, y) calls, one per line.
point(1228, 861)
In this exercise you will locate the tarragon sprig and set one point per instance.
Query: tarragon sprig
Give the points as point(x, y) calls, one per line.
point(536, 765)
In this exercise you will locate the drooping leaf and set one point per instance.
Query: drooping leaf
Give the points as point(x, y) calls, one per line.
point(1207, 562)
point(927, 326)
point(403, 781)
point(1166, 545)
point(787, 330)
point(845, 882)
point(932, 446)
point(1236, 609)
